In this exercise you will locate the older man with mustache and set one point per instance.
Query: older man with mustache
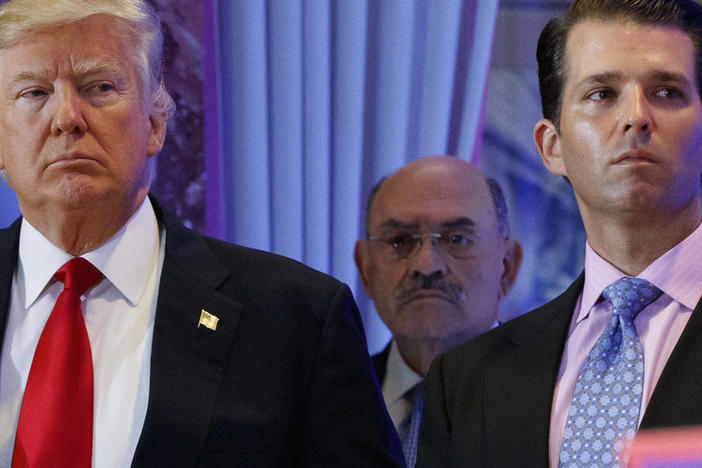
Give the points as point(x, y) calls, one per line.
point(436, 261)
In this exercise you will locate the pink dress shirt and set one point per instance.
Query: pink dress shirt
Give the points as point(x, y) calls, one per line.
point(677, 273)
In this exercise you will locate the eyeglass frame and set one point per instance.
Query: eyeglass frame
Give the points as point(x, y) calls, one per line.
point(419, 242)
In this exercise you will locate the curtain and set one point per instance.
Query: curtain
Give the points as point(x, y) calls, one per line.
point(308, 103)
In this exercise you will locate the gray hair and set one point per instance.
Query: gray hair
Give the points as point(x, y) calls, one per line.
point(500, 206)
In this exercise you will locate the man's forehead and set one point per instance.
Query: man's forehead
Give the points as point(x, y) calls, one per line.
point(32, 69)
point(600, 37)
point(110, 31)
point(433, 206)
point(43, 53)
point(459, 223)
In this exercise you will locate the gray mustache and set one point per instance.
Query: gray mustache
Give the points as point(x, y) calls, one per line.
point(423, 282)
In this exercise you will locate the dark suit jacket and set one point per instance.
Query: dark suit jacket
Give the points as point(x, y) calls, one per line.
point(488, 402)
point(284, 381)
point(380, 362)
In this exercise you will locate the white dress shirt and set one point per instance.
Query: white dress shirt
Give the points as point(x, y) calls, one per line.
point(399, 379)
point(119, 316)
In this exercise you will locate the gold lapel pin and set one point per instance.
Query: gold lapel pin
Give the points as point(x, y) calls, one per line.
point(208, 320)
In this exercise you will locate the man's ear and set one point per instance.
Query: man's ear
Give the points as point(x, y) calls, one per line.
point(548, 143)
point(511, 262)
point(362, 259)
point(157, 134)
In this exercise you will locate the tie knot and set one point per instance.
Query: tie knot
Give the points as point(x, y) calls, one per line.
point(629, 296)
point(77, 275)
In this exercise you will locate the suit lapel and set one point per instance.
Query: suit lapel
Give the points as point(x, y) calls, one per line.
point(9, 248)
point(187, 361)
point(519, 385)
point(675, 400)
point(380, 363)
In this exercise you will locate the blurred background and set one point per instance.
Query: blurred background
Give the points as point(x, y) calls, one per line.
point(289, 111)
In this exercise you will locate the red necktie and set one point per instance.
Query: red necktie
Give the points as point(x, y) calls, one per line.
point(55, 427)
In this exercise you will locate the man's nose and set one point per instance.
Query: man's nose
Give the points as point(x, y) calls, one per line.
point(68, 115)
point(636, 114)
point(430, 259)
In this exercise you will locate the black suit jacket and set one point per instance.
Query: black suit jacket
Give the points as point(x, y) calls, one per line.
point(380, 362)
point(488, 402)
point(284, 381)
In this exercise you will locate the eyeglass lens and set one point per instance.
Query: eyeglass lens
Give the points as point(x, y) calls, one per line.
point(455, 244)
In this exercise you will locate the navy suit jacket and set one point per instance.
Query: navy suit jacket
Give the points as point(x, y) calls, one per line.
point(284, 381)
point(487, 403)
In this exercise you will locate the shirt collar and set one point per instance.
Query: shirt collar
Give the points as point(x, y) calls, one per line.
point(676, 273)
point(399, 377)
point(126, 259)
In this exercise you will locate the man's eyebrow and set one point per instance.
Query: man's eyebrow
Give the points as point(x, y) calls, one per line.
point(657, 75)
point(95, 67)
point(462, 222)
point(82, 70)
point(662, 75)
point(28, 76)
point(396, 224)
point(600, 78)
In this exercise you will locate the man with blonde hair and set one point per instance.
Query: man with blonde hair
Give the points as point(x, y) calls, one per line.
point(128, 340)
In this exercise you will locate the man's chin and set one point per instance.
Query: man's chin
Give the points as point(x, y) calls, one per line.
point(430, 313)
point(428, 297)
point(78, 194)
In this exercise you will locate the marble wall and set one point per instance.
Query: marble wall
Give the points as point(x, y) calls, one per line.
point(544, 214)
point(180, 167)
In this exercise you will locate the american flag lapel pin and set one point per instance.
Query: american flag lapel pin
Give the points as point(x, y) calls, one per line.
point(208, 320)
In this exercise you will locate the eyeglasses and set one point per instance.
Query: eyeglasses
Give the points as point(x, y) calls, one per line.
point(457, 244)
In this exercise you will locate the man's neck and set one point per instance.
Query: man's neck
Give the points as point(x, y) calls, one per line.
point(81, 230)
point(419, 354)
point(633, 243)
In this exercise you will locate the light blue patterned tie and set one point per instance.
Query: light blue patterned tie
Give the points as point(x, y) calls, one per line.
point(409, 427)
point(607, 396)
